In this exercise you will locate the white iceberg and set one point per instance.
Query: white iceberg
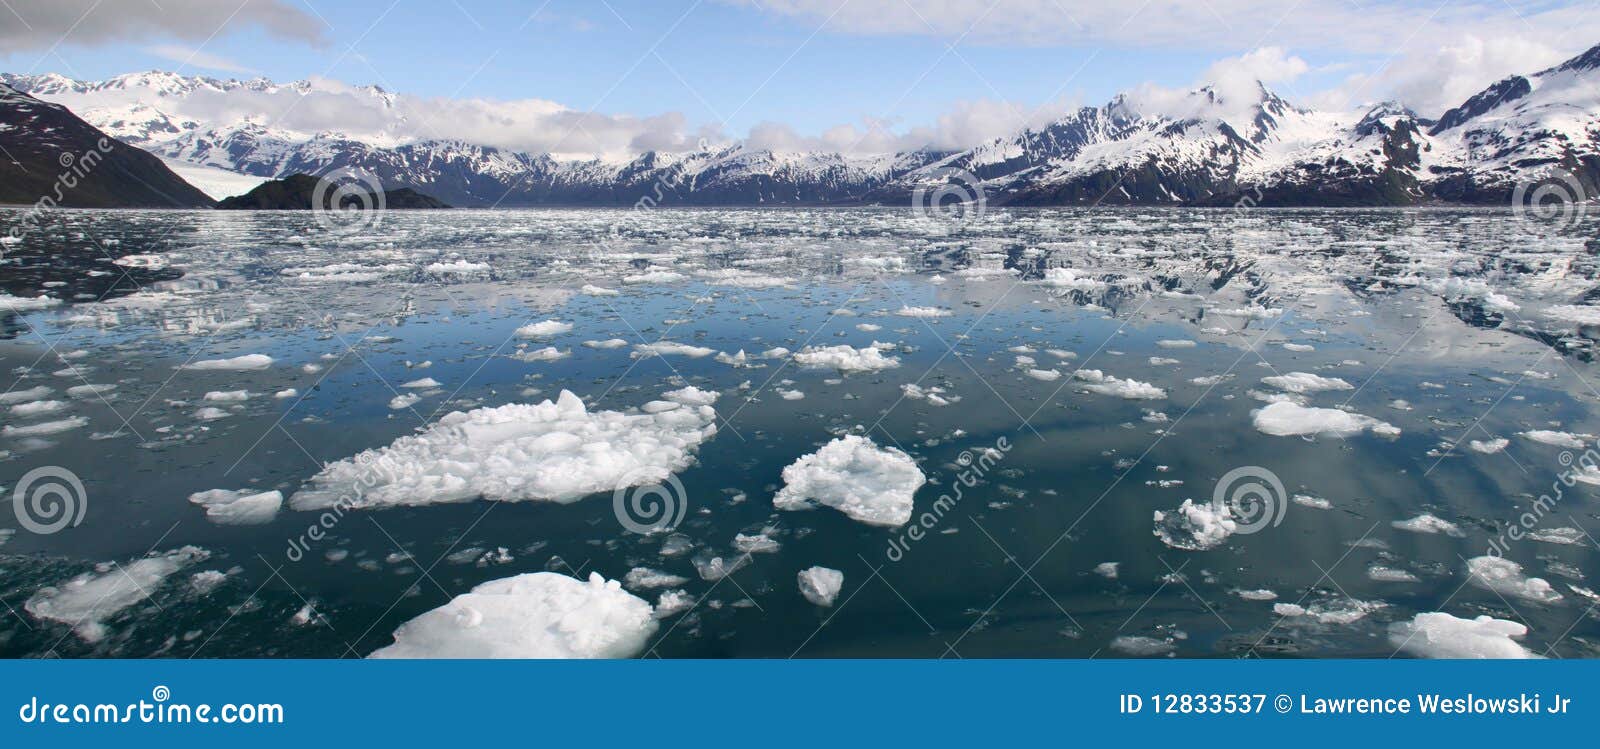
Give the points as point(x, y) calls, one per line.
point(536, 615)
point(821, 585)
point(87, 602)
point(1439, 635)
point(868, 483)
point(556, 451)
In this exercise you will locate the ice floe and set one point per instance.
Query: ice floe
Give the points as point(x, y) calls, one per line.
point(1436, 634)
point(821, 585)
point(534, 615)
point(243, 507)
point(1288, 419)
point(846, 359)
point(556, 450)
point(1505, 577)
point(89, 601)
point(868, 483)
point(248, 362)
point(1194, 526)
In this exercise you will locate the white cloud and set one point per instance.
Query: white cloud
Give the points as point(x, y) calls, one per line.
point(1434, 79)
point(41, 24)
point(189, 57)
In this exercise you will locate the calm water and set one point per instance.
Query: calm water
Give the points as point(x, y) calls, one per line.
point(1450, 326)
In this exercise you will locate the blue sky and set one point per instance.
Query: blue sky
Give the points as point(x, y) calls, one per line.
point(808, 64)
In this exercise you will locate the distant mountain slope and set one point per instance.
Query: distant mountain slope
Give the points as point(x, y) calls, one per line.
point(1205, 148)
point(299, 192)
point(48, 152)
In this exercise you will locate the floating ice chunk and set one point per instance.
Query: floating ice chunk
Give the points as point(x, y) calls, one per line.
point(1574, 313)
point(1558, 439)
point(1299, 347)
point(1305, 382)
point(246, 363)
point(593, 290)
point(1045, 375)
point(1286, 419)
point(1505, 577)
point(758, 543)
point(691, 396)
point(211, 413)
point(821, 585)
point(712, 568)
point(92, 390)
point(666, 348)
point(741, 278)
point(672, 603)
point(1489, 447)
point(1429, 523)
point(1259, 594)
point(286, 393)
point(922, 312)
point(1336, 611)
point(654, 275)
point(846, 359)
point(790, 395)
point(1382, 574)
point(548, 353)
point(11, 303)
point(422, 384)
point(1067, 278)
point(87, 602)
point(37, 408)
point(644, 578)
point(21, 396)
point(457, 268)
point(241, 507)
point(404, 401)
point(543, 329)
point(609, 343)
point(1194, 527)
point(934, 394)
point(45, 427)
point(1141, 646)
point(1180, 343)
point(1107, 570)
point(1316, 503)
point(1249, 313)
point(1439, 635)
point(227, 396)
point(1163, 361)
point(1562, 536)
point(868, 327)
point(557, 451)
point(1104, 384)
point(535, 615)
point(868, 483)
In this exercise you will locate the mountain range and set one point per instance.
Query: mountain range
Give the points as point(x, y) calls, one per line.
point(1201, 148)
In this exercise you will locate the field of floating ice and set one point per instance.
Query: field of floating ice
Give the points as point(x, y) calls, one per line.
point(1420, 381)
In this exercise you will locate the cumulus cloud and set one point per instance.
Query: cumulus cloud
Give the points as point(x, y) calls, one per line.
point(41, 24)
point(1434, 79)
point(963, 125)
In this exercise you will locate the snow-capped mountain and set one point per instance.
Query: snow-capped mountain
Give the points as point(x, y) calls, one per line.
point(53, 158)
point(1208, 147)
